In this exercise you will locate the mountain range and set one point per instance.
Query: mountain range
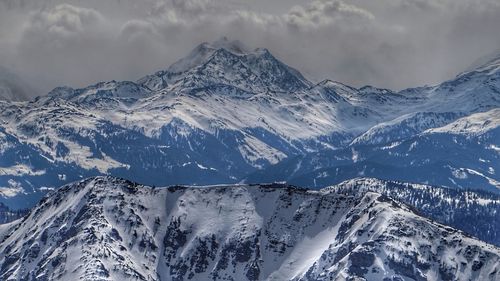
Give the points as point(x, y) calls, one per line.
point(394, 185)
point(224, 114)
point(106, 228)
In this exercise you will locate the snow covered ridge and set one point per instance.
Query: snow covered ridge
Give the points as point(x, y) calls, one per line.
point(463, 154)
point(106, 228)
point(475, 124)
point(224, 113)
point(476, 213)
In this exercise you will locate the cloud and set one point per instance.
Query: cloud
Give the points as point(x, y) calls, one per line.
point(138, 30)
point(322, 13)
point(387, 43)
point(194, 7)
point(55, 27)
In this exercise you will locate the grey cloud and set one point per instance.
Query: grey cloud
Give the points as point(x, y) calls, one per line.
point(13, 87)
point(138, 30)
point(192, 6)
point(387, 43)
point(64, 22)
point(324, 12)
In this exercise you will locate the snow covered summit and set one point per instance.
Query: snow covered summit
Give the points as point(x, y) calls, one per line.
point(229, 63)
point(227, 114)
point(110, 229)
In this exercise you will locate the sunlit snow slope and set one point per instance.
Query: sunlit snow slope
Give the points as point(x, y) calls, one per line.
point(226, 114)
point(110, 229)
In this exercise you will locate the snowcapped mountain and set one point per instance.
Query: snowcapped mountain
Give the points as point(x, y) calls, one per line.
point(476, 213)
point(228, 62)
point(462, 154)
point(404, 127)
point(481, 124)
point(110, 229)
point(226, 114)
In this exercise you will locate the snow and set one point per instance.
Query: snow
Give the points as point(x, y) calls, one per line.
point(20, 170)
point(234, 108)
point(83, 157)
point(251, 106)
point(243, 220)
point(490, 180)
point(12, 190)
point(474, 124)
point(304, 255)
point(495, 148)
point(253, 149)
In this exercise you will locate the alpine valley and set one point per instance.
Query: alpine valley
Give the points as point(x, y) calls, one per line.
point(394, 185)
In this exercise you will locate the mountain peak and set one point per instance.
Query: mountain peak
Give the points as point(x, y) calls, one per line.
point(204, 50)
point(231, 63)
point(234, 46)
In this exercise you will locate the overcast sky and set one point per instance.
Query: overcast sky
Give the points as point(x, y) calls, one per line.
point(386, 43)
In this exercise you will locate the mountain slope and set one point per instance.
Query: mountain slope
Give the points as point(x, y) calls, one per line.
point(462, 154)
point(483, 123)
point(476, 213)
point(226, 114)
point(110, 229)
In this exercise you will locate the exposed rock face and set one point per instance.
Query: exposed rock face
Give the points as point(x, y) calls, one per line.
point(110, 229)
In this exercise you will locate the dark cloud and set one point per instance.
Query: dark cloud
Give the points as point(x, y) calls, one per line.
point(387, 43)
